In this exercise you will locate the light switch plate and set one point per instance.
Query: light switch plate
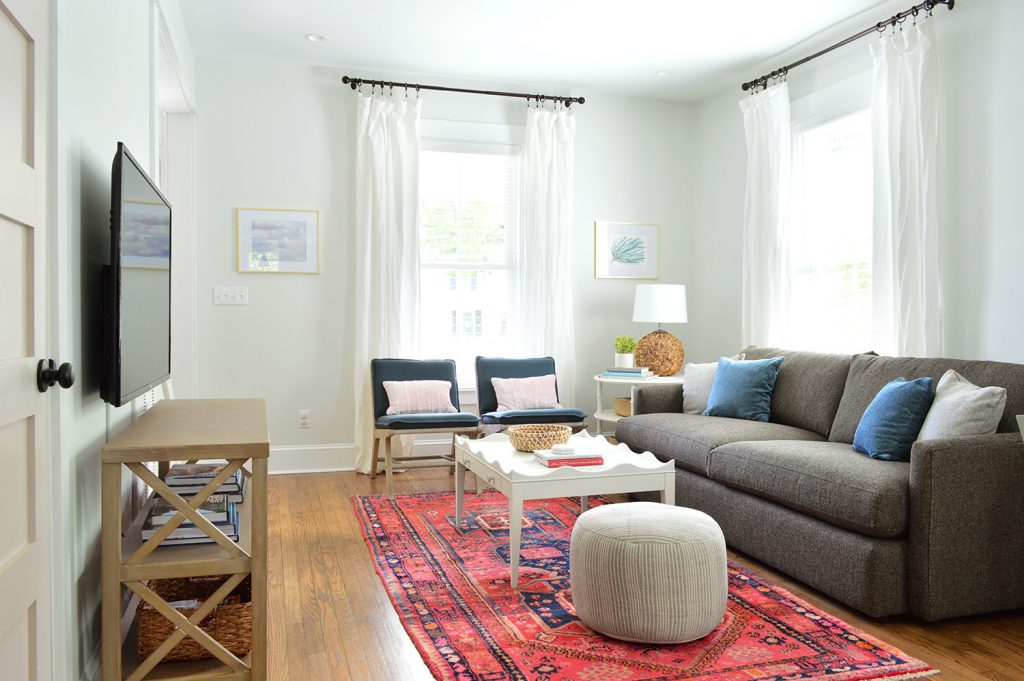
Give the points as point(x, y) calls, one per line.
point(230, 295)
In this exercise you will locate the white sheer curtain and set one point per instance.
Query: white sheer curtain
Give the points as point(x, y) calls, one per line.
point(765, 248)
point(387, 245)
point(907, 282)
point(547, 242)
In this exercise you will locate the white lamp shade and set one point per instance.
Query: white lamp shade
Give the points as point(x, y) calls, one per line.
point(660, 303)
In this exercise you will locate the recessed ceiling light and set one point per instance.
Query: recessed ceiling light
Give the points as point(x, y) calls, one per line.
point(662, 74)
point(316, 37)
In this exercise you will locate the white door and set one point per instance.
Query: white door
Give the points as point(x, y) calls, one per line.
point(24, 452)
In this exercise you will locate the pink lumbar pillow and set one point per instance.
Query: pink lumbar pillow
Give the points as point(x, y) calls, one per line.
point(419, 397)
point(535, 392)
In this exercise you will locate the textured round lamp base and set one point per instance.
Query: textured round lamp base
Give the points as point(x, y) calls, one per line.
point(661, 352)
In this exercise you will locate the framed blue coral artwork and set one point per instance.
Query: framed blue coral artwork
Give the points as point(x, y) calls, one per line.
point(625, 250)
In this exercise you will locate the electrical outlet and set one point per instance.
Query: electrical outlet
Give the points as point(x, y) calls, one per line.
point(230, 295)
point(303, 418)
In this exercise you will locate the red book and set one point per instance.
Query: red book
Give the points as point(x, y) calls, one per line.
point(589, 461)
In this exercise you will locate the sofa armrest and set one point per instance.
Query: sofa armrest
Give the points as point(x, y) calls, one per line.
point(966, 525)
point(657, 399)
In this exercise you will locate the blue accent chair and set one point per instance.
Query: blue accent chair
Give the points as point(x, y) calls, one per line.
point(505, 367)
point(386, 426)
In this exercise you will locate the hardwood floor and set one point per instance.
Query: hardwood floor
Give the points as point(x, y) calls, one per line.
point(331, 619)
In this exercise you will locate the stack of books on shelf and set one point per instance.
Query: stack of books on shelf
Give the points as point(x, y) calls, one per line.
point(217, 509)
point(566, 455)
point(187, 479)
point(627, 372)
point(221, 508)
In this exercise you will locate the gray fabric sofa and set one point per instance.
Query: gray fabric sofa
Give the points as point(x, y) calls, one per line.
point(939, 536)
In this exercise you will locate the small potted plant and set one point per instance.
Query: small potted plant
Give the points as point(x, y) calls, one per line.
point(624, 347)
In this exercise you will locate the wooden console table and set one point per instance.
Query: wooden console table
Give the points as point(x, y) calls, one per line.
point(186, 430)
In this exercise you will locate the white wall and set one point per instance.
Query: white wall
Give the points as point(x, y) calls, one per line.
point(982, 144)
point(102, 89)
point(281, 136)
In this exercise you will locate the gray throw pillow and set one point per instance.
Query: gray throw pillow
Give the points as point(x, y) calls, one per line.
point(962, 408)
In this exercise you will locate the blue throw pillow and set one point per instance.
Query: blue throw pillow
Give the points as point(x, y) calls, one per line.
point(743, 388)
point(894, 418)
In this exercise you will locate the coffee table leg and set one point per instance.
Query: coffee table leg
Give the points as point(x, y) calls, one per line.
point(668, 494)
point(583, 504)
point(515, 525)
point(460, 483)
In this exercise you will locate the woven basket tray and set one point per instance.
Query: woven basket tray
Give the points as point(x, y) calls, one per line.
point(533, 436)
point(230, 625)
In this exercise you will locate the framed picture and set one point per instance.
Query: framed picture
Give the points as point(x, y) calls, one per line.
point(625, 250)
point(278, 241)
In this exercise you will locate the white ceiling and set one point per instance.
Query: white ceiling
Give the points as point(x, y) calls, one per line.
point(583, 45)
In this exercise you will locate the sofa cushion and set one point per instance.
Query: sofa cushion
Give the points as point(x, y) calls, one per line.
point(869, 373)
point(808, 388)
point(827, 480)
point(514, 417)
point(689, 438)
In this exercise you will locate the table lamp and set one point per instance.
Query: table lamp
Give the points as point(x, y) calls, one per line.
point(659, 350)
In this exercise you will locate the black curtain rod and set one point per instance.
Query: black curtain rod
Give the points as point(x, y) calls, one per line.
point(356, 82)
point(893, 21)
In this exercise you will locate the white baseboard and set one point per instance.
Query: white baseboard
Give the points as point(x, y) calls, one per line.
point(312, 458)
point(287, 459)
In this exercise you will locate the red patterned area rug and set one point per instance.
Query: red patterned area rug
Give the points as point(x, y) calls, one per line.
point(451, 589)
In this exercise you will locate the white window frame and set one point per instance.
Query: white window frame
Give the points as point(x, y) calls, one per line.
point(472, 137)
point(837, 100)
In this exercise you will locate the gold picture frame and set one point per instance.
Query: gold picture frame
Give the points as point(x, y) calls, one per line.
point(626, 250)
point(278, 241)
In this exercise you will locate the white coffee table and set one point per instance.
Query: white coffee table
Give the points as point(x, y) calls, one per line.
point(520, 478)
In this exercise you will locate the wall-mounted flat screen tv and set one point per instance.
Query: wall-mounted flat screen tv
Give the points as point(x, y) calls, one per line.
point(137, 285)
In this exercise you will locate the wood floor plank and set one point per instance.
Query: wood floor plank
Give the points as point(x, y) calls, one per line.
point(332, 620)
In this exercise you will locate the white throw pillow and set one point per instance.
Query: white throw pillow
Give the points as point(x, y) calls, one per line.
point(419, 397)
point(961, 408)
point(697, 382)
point(535, 392)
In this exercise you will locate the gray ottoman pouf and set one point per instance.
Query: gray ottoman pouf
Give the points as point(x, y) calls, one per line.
point(650, 573)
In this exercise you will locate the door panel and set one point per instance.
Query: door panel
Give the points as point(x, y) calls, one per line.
point(16, 73)
point(15, 289)
point(25, 581)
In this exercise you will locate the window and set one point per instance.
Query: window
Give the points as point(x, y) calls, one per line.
point(830, 238)
point(469, 254)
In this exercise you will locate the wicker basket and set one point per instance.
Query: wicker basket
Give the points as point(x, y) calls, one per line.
point(533, 436)
point(623, 406)
point(230, 625)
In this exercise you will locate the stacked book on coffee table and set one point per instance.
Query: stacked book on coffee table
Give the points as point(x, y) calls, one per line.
point(567, 455)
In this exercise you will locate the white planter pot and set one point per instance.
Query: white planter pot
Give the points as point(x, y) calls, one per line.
point(624, 360)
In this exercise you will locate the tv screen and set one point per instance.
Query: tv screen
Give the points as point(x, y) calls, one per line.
point(138, 284)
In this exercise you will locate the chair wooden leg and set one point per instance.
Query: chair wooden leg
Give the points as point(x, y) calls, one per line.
point(374, 458)
point(389, 474)
point(451, 469)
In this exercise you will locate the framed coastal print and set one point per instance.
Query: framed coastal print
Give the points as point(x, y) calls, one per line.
point(625, 250)
point(278, 241)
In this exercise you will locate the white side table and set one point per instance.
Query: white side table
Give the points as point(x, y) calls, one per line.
point(609, 415)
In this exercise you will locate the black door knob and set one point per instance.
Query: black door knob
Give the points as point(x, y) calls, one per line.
point(48, 373)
